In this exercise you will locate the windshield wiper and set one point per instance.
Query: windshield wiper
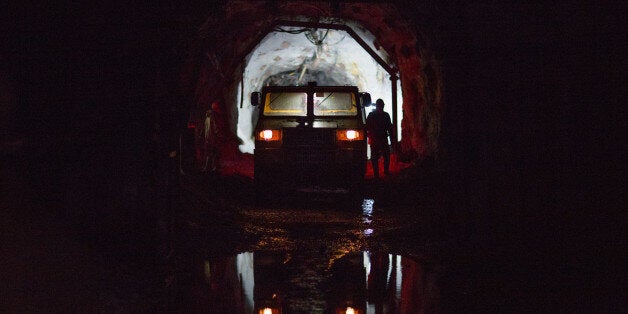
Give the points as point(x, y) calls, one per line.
point(273, 99)
point(322, 101)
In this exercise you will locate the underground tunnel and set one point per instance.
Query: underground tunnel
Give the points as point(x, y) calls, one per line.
point(368, 45)
point(514, 216)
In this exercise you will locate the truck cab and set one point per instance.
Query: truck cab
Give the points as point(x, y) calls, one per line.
point(310, 135)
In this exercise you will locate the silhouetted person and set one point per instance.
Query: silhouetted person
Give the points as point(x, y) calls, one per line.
point(212, 137)
point(379, 128)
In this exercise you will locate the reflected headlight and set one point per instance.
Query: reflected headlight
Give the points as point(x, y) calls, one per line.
point(348, 310)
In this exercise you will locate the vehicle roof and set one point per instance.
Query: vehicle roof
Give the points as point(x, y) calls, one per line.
point(309, 89)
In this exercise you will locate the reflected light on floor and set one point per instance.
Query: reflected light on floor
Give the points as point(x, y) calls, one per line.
point(268, 310)
point(367, 212)
point(348, 310)
point(367, 206)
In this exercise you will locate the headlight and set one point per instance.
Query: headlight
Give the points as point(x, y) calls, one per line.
point(269, 135)
point(349, 135)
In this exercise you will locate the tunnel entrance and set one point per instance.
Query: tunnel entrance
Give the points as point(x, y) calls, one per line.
point(368, 45)
point(296, 55)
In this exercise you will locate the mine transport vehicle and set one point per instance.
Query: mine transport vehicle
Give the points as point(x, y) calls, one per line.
point(310, 136)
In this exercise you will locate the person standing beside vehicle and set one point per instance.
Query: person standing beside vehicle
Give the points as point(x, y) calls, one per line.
point(212, 137)
point(379, 128)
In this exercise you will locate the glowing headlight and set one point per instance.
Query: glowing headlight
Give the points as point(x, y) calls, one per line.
point(269, 135)
point(349, 135)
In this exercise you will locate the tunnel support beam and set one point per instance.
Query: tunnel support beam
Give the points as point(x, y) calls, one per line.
point(393, 135)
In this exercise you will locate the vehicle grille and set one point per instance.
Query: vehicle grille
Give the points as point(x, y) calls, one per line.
point(309, 157)
point(309, 137)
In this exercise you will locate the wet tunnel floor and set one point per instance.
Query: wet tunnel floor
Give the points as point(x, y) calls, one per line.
point(63, 249)
point(319, 214)
point(452, 259)
point(306, 232)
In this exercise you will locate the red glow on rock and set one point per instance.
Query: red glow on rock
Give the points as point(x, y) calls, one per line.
point(234, 162)
point(395, 166)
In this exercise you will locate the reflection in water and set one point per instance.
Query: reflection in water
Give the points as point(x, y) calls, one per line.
point(245, 268)
point(298, 282)
point(367, 213)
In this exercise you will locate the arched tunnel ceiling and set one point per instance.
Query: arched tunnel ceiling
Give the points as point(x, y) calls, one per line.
point(216, 67)
point(292, 55)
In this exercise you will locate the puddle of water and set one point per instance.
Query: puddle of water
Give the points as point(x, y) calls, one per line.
point(299, 282)
point(367, 214)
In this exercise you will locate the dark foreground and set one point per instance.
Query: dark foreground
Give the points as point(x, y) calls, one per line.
point(424, 240)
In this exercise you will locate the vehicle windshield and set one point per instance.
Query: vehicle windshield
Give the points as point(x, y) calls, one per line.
point(295, 104)
point(285, 104)
point(334, 104)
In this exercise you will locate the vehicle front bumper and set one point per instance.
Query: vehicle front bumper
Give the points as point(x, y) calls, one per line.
point(307, 165)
